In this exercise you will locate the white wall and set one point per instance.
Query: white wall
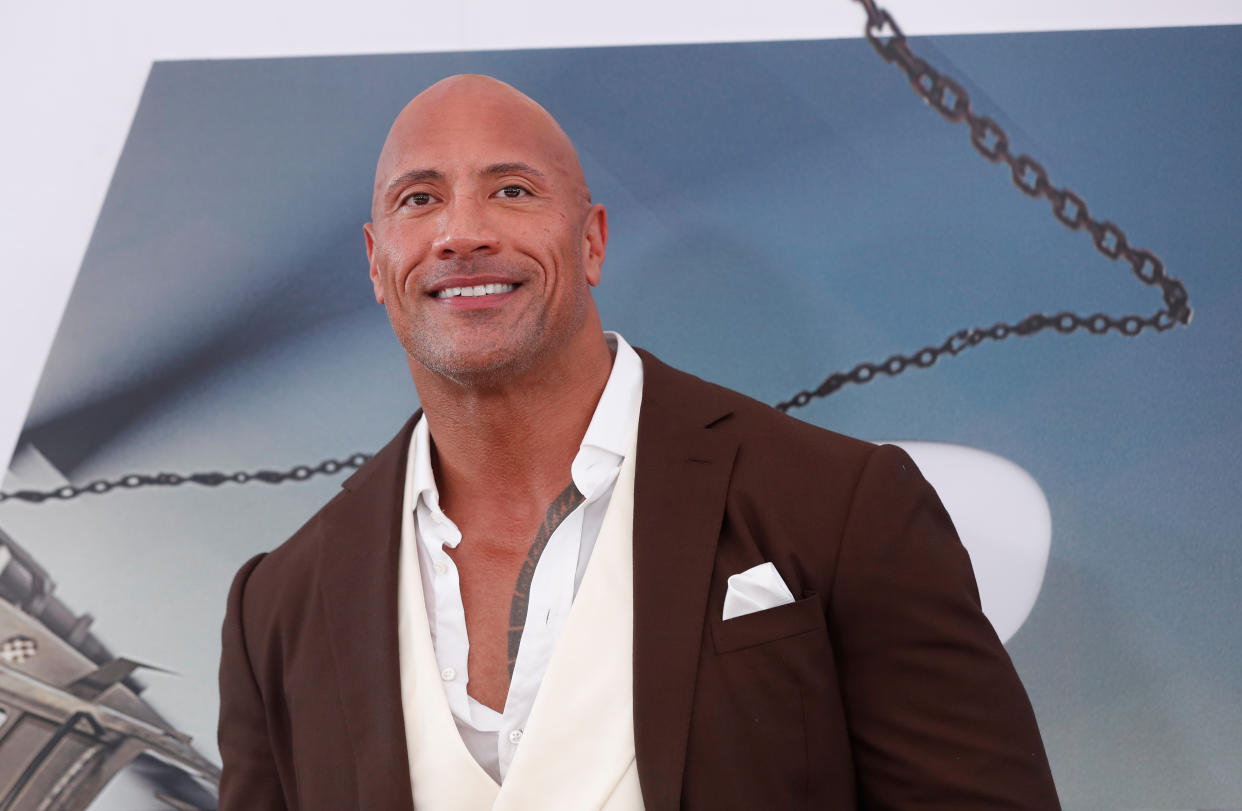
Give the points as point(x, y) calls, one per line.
point(71, 73)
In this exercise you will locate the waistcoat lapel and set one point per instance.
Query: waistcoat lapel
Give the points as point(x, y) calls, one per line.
point(682, 477)
point(359, 543)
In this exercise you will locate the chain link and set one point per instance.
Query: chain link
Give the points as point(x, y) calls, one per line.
point(952, 101)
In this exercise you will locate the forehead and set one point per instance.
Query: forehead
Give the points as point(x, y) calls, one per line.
point(462, 132)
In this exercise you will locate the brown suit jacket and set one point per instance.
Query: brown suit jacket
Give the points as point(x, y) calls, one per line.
point(883, 686)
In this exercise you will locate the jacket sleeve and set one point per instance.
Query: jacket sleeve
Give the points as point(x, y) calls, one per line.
point(249, 778)
point(937, 716)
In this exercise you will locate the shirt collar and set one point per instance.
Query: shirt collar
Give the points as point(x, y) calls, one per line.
point(603, 445)
point(424, 479)
point(618, 401)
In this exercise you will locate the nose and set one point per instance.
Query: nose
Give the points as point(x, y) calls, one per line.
point(465, 231)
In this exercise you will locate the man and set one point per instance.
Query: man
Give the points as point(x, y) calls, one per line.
point(581, 579)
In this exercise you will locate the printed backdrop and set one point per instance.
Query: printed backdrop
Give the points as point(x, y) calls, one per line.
point(778, 212)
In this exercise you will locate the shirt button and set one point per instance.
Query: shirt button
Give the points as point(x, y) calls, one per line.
point(440, 568)
point(448, 674)
point(515, 736)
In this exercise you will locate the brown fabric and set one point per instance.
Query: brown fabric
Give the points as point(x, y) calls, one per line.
point(882, 686)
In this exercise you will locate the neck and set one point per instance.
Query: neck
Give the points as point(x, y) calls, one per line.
point(514, 441)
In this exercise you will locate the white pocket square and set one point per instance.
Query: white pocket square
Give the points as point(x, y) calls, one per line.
point(754, 590)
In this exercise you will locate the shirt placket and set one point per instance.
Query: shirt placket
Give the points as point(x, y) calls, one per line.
point(450, 639)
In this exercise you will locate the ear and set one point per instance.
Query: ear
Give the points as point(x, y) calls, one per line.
point(368, 233)
point(595, 243)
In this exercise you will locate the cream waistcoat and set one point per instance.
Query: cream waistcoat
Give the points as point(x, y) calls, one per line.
point(577, 750)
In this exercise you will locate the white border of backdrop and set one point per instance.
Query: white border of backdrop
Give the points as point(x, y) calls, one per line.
point(72, 72)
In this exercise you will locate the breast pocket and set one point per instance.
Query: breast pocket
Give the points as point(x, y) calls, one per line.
point(760, 627)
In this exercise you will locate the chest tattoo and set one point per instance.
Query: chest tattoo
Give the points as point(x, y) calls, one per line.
point(560, 507)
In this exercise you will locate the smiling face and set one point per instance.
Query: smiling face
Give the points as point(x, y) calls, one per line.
point(483, 243)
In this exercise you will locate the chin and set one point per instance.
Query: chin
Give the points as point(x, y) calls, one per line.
point(478, 365)
point(487, 354)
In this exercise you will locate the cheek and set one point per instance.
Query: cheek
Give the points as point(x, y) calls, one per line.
point(568, 247)
point(398, 262)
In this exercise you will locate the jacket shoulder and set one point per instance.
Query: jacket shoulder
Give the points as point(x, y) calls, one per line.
point(280, 582)
point(759, 427)
point(276, 588)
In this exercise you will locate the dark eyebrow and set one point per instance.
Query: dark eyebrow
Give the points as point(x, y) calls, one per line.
point(514, 167)
point(413, 176)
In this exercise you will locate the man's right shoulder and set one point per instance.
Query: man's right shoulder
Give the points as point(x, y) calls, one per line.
point(287, 574)
point(296, 556)
point(281, 582)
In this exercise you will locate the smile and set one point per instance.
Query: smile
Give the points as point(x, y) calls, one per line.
point(477, 290)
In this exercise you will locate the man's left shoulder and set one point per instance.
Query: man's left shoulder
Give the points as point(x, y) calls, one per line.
point(765, 435)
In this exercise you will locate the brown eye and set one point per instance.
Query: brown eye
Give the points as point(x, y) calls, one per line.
point(418, 198)
point(513, 192)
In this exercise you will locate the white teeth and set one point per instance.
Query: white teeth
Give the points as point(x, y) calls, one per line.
point(477, 290)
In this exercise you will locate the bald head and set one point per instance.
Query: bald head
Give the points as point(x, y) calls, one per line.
point(474, 107)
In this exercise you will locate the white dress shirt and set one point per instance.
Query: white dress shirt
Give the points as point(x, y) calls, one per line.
point(493, 737)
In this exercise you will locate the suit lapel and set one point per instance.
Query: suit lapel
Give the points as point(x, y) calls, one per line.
point(359, 544)
point(681, 481)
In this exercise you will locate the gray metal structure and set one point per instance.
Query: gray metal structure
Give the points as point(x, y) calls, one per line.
point(71, 714)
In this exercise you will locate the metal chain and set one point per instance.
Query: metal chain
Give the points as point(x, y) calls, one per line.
point(949, 99)
point(134, 480)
